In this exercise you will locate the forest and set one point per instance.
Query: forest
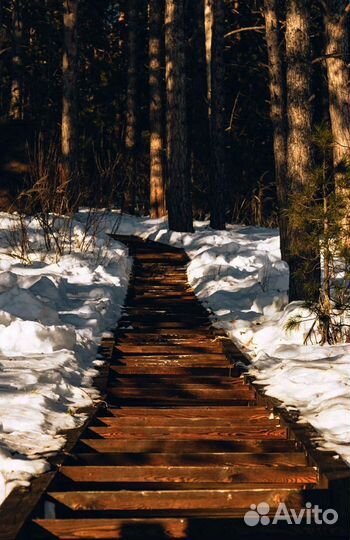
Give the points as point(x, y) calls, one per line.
point(237, 110)
point(175, 225)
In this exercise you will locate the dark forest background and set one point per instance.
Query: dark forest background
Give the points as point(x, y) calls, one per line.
point(102, 85)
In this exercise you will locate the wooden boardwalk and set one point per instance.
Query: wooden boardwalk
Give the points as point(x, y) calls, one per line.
point(184, 446)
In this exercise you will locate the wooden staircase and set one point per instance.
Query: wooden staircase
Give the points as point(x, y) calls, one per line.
point(183, 448)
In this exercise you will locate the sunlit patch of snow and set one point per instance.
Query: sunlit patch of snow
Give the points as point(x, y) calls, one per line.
point(52, 316)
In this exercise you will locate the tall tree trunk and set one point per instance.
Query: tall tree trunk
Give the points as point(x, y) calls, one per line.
point(198, 102)
point(69, 189)
point(208, 23)
point(131, 107)
point(278, 117)
point(217, 131)
point(304, 255)
point(16, 99)
point(156, 110)
point(179, 185)
point(337, 61)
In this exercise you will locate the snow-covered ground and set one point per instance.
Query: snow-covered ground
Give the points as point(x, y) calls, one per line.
point(52, 315)
point(239, 275)
point(54, 310)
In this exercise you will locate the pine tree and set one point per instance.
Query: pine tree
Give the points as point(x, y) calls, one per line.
point(69, 106)
point(179, 186)
point(131, 107)
point(337, 61)
point(320, 211)
point(156, 109)
point(304, 259)
point(198, 111)
point(217, 107)
point(278, 116)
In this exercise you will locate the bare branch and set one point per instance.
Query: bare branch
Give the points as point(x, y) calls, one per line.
point(246, 29)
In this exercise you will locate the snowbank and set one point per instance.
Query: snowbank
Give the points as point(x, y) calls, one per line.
point(239, 275)
point(52, 315)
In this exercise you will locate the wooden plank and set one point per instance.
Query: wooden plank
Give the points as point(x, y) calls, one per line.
point(161, 257)
point(189, 392)
point(222, 501)
point(196, 528)
point(203, 358)
point(158, 421)
point(17, 507)
point(155, 446)
point(216, 433)
point(162, 333)
point(231, 412)
point(153, 349)
point(145, 323)
point(168, 369)
point(285, 459)
point(189, 361)
point(151, 381)
point(184, 390)
point(164, 294)
point(154, 314)
point(109, 529)
point(233, 474)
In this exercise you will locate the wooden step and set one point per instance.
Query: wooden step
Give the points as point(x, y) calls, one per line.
point(212, 381)
point(145, 324)
point(158, 421)
point(173, 313)
point(178, 383)
point(164, 294)
point(161, 257)
point(149, 339)
point(233, 502)
point(230, 412)
point(138, 286)
point(194, 528)
point(108, 529)
point(186, 390)
point(187, 361)
point(168, 369)
point(216, 474)
point(152, 349)
point(174, 433)
point(177, 396)
point(285, 459)
point(187, 446)
point(164, 333)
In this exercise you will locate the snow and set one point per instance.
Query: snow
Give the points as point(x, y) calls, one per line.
point(55, 309)
point(239, 276)
point(53, 313)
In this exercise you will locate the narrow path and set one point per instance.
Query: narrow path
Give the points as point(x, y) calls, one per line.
point(183, 449)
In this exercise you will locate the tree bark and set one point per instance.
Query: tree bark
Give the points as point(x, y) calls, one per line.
point(278, 117)
point(179, 185)
point(16, 99)
point(337, 61)
point(68, 190)
point(131, 107)
point(198, 105)
point(304, 255)
point(217, 118)
point(208, 24)
point(156, 110)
